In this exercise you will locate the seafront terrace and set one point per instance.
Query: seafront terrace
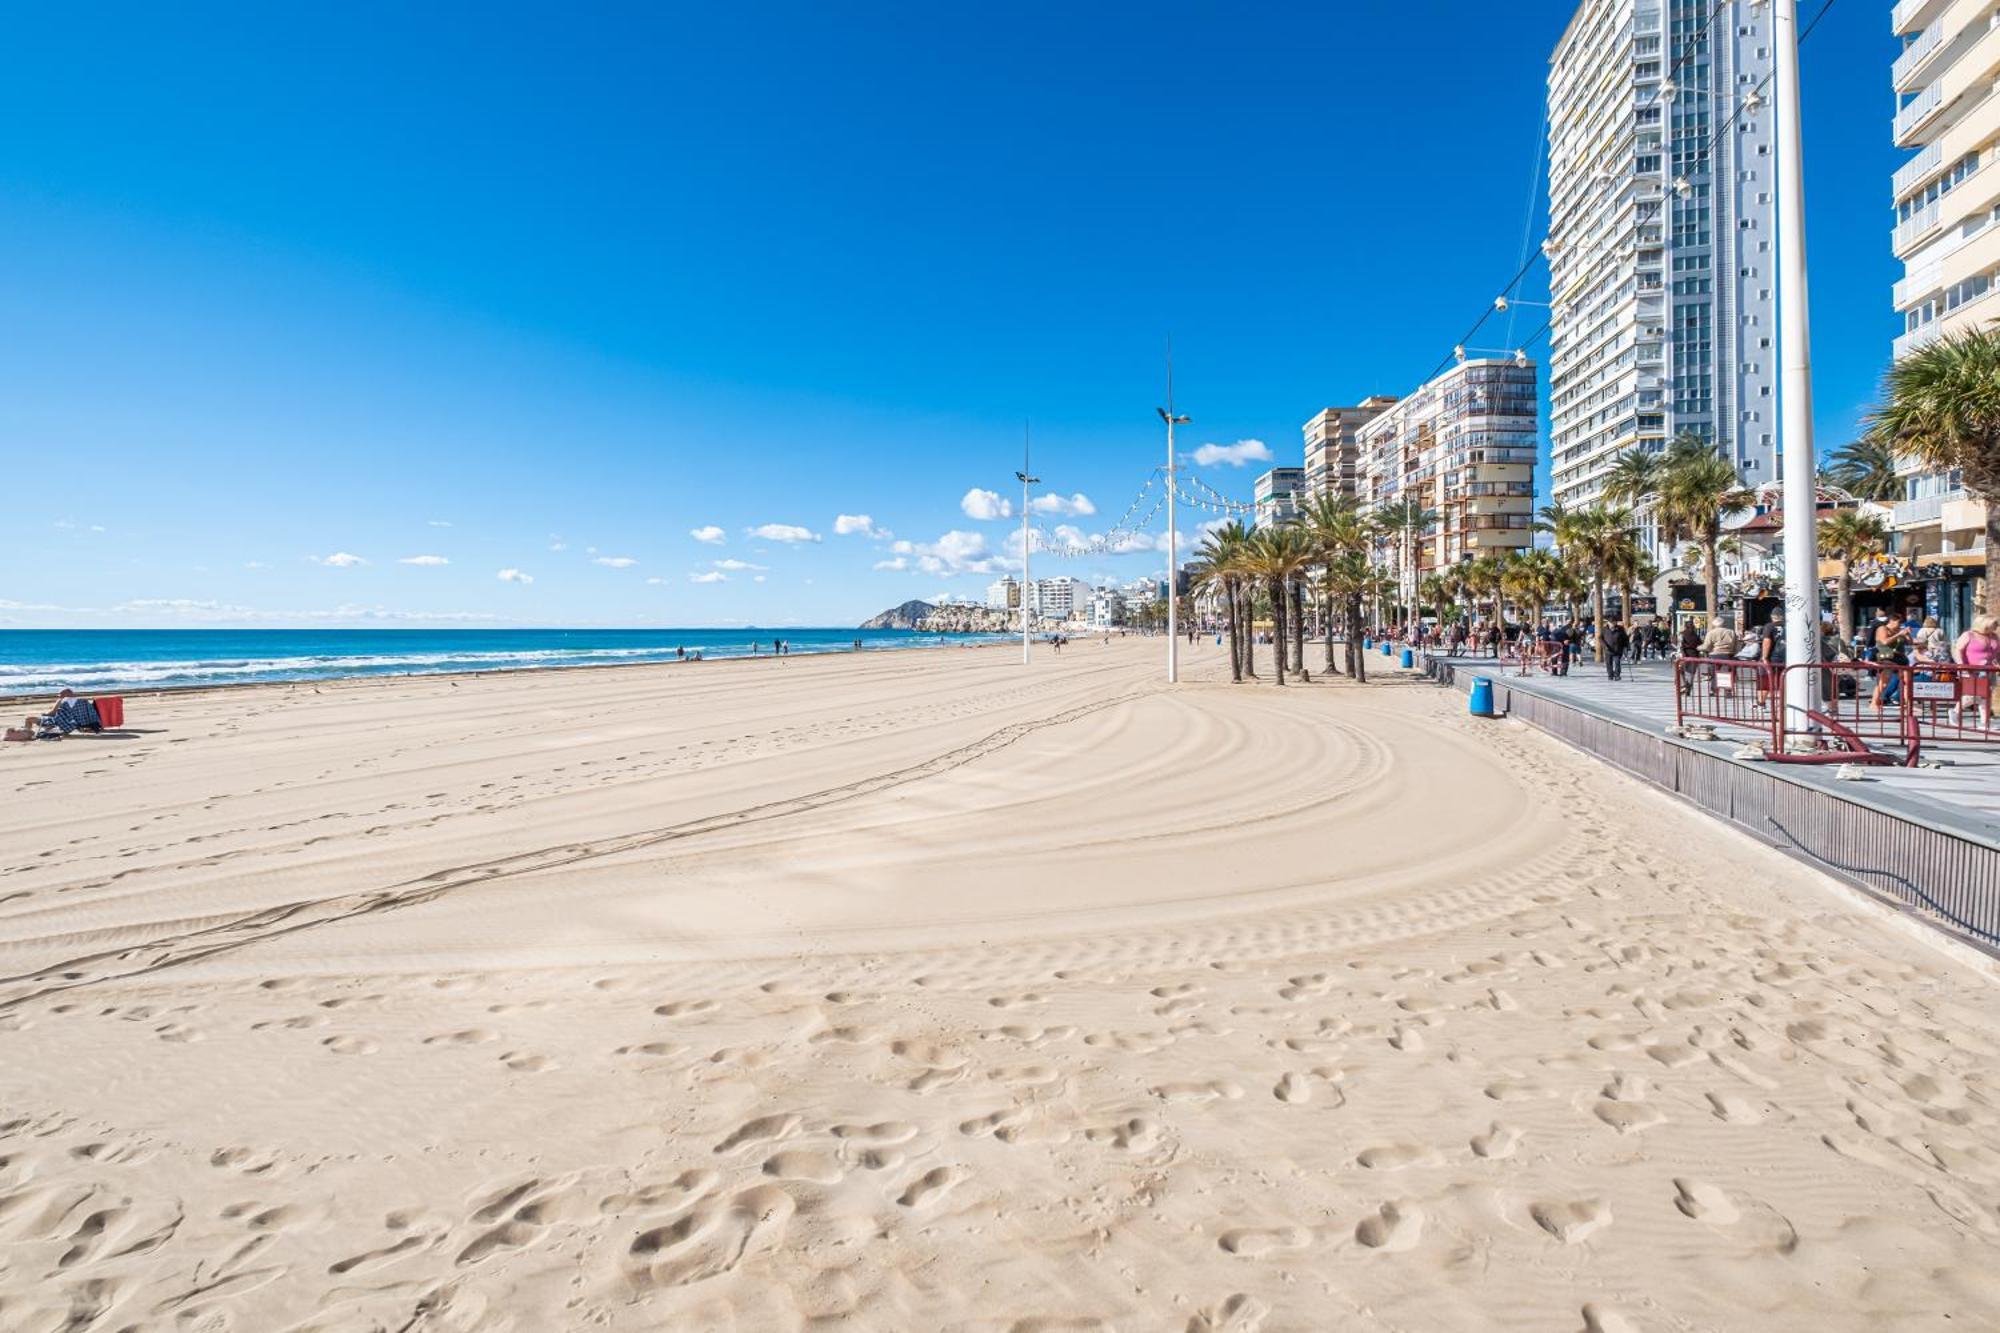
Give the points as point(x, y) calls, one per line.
point(1928, 836)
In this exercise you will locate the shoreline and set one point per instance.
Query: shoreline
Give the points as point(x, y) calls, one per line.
point(192, 690)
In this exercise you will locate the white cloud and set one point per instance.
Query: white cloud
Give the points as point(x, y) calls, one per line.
point(709, 576)
point(255, 564)
point(985, 505)
point(1233, 455)
point(859, 525)
point(440, 522)
point(710, 534)
point(756, 578)
point(956, 552)
point(783, 532)
point(423, 560)
point(557, 544)
point(615, 561)
point(655, 580)
point(736, 564)
point(515, 576)
point(340, 560)
point(1068, 506)
point(898, 563)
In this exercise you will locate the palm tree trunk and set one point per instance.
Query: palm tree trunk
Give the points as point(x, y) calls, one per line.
point(1843, 603)
point(1711, 577)
point(1326, 613)
point(1357, 658)
point(1276, 588)
point(1246, 596)
point(1597, 608)
point(1297, 609)
point(1992, 549)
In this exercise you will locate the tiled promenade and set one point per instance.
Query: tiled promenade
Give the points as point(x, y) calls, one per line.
point(1962, 792)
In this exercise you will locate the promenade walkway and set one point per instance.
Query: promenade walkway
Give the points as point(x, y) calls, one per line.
point(1928, 837)
point(1964, 787)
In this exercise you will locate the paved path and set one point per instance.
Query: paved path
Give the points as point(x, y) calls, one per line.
point(1963, 793)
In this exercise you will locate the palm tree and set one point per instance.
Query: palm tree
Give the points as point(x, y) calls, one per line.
point(1482, 578)
point(1530, 578)
point(1697, 486)
point(1219, 566)
point(1404, 519)
point(1275, 556)
point(1602, 539)
point(1633, 478)
point(1334, 527)
point(1942, 404)
point(1866, 470)
point(1849, 536)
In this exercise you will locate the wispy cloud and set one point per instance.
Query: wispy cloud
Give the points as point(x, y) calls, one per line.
point(615, 561)
point(515, 576)
point(710, 534)
point(898, 562)
point(1233, 455)
point(556, 543)
point(736, 564)
point(340, 560)
point(859, 525)
point(985, 505)
point(423, 560)
point(709, 576)
point(440, 522)
point(784, 532)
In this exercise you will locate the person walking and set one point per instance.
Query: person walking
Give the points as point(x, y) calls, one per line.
point(1615, 640)
point(1892, 652)
point(1979, 646)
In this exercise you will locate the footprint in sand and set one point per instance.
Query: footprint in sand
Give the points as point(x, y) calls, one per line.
point(677, 1193)
point(1255, 1242)
point(817, 1168)
point(1497, 1142)
point(1604, 1319)
point(764, 1129)
point(932, 1186)
point(1214, 1090)
point(1396, 1225)
point(682, 1008)
point(713, 1238)
point(526, 1062)
point(466, 1037)
point(1236, 1313)
point(1571, 1221)
point(1704, 1202)
point(350, 1045)
point(1396, 1156)
point(518, 1215)
point(884, 1132)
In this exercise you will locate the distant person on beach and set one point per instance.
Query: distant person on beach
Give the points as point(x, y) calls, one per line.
point(70, 714)
point(680, 654)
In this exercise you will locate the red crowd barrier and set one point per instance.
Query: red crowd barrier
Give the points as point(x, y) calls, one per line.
point(1857, 707)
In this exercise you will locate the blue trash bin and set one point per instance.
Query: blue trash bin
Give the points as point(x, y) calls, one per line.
point(1482, 697)
point(1366, 643)
point(1409, 659)
point(1387, 647)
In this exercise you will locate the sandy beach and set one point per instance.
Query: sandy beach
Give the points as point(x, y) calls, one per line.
point(921, 991)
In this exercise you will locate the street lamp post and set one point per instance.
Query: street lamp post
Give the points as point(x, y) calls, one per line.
point(1173, 536)
point(1027, 581)
point(1795, 439)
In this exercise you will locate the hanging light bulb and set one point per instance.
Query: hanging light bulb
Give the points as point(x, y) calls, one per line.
point(1753, 100)
point(1499, 303)
point(1459, 351)
point(1683, 186)
point(1521, 357)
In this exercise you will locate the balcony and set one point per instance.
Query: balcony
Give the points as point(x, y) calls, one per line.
point(1919, 109)
point(1919, 512)
point(1915, 228)
point(1914, 55)
point(1916, 338)
point(1918, 282)
point(1909, 13)
point(1911, 173)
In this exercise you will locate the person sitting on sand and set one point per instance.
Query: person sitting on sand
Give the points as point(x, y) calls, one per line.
point(70, 714)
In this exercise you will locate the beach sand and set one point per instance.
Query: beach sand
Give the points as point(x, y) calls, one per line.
point(924, 991)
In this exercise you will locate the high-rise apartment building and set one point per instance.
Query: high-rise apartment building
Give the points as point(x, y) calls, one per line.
point(1331, 454)
point(1276, 494)
point(1947, 233)
point(1661, 227)
point(1004, 593)
point(1463, 448)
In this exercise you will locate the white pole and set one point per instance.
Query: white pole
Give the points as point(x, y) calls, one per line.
point(1795, 440)
point(1027, 578)
point(1173, 559)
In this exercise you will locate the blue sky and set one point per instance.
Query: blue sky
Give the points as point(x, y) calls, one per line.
point(549, 289)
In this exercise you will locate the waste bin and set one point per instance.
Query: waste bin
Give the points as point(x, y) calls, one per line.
point(1409, 659)
point(1482, 697)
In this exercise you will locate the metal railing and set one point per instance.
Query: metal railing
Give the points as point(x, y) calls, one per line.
point(1916, 53)
point(1914, 170)
point(1918, 110)
point(1859, 707)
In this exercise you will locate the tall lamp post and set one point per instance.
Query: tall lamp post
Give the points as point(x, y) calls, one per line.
point(1027, 581)
point(1173, 536)
point(1795, 438)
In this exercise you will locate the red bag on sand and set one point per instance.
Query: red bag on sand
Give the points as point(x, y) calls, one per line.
point(110, 711)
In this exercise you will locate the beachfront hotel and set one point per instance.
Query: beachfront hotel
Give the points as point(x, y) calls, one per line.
point(1463, 447)
point(1277, 495)
point(1661, 226)
point(1945, 199)
point(1332, 451)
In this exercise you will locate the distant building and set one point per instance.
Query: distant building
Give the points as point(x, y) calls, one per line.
point(1332, 455)
point(1277, 494)
point(1004, 594)
point(1061, 598)
point(1107, 608)
point(1463, 448)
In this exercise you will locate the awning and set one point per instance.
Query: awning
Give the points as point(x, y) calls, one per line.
point(1956, 560)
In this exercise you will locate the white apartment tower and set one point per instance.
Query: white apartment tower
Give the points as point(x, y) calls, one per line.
point(1947, 233)
point(1661, 227)
point(1332, 456)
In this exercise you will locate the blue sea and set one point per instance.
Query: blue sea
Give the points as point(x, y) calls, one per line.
point(35, 661)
